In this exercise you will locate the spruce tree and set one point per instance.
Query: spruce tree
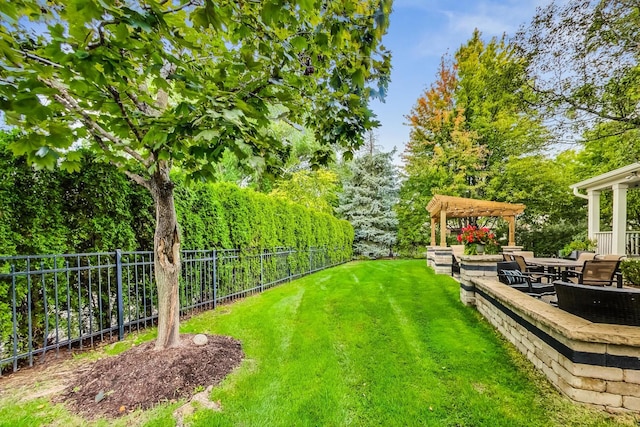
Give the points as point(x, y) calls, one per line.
point(367, 202)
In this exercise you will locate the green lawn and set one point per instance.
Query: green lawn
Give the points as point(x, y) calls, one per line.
point(370, 343)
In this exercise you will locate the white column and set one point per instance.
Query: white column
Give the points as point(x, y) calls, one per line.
point(619, 219)
point(593, 213)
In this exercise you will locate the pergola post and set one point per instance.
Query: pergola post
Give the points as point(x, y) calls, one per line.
point(512, 230)
point(443, 228)
point(433, 231)
point(593, 224)
point(619, 236)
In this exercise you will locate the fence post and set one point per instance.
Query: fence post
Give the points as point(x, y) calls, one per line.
point(215, 280)
point(261, 270)
point(14, 318)
point(310, 256)
point(119, 294)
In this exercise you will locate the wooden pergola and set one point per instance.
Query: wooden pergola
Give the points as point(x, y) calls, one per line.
point(442, 207)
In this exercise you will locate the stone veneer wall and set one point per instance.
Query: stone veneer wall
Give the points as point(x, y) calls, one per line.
point(591, 363)
point(440, 259)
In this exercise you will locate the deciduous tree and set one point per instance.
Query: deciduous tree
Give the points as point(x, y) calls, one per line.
point(152, 85)
point(583, 56)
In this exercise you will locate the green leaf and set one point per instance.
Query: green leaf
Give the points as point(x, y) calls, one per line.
point(74, 155)
point(233, 115)
point(347, 155)
point(71, 166)
point(207, 135)
point(155, 138)
point(270, 12)
point(299, 43)
point(81, 54)
point(164, 155)
point(45, 157)
point(358, 78)
point(207, 16)
point(26, 103)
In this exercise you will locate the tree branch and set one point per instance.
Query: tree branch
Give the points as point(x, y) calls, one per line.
point(138, 179)
point(65, 99)
point(116, 97)
point(177, 9)
point(40, 59)
point(143, 107)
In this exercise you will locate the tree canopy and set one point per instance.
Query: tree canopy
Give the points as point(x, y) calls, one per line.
point(582, 57)
point(367, 202)
point(465, 128)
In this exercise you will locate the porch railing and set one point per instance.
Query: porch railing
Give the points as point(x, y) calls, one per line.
point(605, 243)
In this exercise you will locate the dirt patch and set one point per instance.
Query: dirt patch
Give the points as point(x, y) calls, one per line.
point(142, 377)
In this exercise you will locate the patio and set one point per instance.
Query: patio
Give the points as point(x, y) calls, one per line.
point(592, 363)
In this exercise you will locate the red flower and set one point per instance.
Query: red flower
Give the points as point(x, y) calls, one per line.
point(472, 234)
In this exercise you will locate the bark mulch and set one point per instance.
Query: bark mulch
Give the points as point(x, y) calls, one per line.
point(142, 377)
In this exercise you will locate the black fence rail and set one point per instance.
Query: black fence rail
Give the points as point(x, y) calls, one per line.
point(50, 302)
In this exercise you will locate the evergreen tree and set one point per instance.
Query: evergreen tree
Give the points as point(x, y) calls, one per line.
point(367, 202)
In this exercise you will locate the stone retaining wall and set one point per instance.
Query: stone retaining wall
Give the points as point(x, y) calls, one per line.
point(592, 363)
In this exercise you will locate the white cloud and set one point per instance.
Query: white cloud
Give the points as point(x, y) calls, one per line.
point(453, 23)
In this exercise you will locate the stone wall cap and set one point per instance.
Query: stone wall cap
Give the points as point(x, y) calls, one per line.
point(481, 258)
point(559, 321)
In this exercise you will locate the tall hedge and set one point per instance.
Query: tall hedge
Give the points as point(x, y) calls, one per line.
point(99, 209)
point(226, 216)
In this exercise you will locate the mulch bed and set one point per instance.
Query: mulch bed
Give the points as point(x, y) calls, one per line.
point(142, 377)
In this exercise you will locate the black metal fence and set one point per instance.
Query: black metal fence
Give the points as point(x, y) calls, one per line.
point(49, 302)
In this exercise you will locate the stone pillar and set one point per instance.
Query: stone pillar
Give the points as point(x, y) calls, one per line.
point(593, 215)
point(440, 259)
point(473, 266)
point(619, 237)
point(431, 255)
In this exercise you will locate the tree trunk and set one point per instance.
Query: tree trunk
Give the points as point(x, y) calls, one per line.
point(166, 248)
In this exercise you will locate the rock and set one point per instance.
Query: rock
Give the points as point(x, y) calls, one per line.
point(201, 400)
point(200, 340)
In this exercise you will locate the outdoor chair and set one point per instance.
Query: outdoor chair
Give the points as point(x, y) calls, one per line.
point(536, 273)
point(575, 255)
point(456, 252)
point(455, 265)
point(526, 254)
point(596, 272)
point(585, 256)
point(507, 257)
point(598, 304)
point(611, 257)
point(509, 273)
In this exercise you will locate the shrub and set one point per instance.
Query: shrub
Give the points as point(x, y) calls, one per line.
point(631, 270)
point(579, 245)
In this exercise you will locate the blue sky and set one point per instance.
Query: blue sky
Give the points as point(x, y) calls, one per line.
point(420, 32)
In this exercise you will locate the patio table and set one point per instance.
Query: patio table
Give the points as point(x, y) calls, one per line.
point(555, 265)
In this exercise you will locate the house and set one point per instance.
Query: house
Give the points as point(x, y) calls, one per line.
point(620, 240)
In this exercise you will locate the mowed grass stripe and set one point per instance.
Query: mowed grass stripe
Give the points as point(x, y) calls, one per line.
point(376, 343)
